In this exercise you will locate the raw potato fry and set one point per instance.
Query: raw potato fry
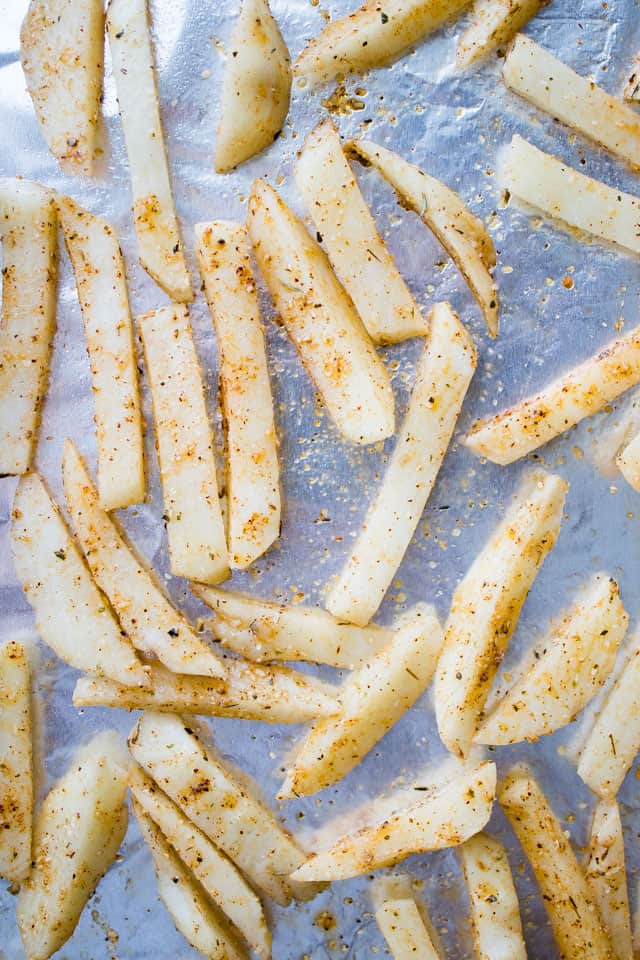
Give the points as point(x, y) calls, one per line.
point(72, 615)
point(195, 529)
point(357, 252)
point(372, 36)
point(218, 876)
point(29, 269)
point(461, 233)
point(404, 930)
point(81, 824)
point(154, 626)
point(16, 774)
point(549, 185)
point(574, 916)
point(94, 251)
point(223, 809)
point(632, 89)
point(569, 668)
point(535, 74)
point(607, 877)
point(442, 378)
point(192, 913)
point(256, 88)
point(487, 603)
point(321, 320)
point(580, 393)
point(445, 817)
point(628, 461)
point(493, 24)
point(61, 50)
point(253, 472)
point(154, 215)
point(495, 911)
point(372, 700)
point(263, 630)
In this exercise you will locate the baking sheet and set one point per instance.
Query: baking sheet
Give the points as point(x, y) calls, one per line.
point(452, 126)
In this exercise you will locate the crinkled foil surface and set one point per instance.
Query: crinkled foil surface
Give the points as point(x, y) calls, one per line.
point(561, 300)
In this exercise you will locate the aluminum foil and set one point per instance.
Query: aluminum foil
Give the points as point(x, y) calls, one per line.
point(561, 300)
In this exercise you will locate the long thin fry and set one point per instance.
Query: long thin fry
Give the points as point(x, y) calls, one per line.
point(16, 769)
point(493, 24)
point(403, 927)
point(607, 877)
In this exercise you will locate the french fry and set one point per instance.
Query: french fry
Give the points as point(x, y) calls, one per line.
point(577, 394)
point(81, 824)
point(549, 185)
point(372, 700)
point(366, 39)
point(569, 667)
point(487, 603)
point(461, 233)
point(493, 24)
point(495, 912)
point(401, 920)
point(445, 817)
point(256, 88)
point(631, 91)
point(443, 376)
point(16, 773)
point(94, 251)
point(607, 877)
point(158, 233)
point(29, 268)
point(195, 529)
point(154, 626)
point(72, 616)
point(192, 913)
point(262, 630)
point(253, 472)
point(357, 252)
point(223, 809)
point(628, 461)
point(575, 919)
point(61, 50)
point(321, 320)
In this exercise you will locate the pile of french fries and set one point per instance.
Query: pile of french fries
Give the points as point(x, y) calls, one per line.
point(218, 850)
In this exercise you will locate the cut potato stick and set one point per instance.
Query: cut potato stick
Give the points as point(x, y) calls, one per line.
point(607, 877)
point(29, 268)
point(81, 824)
point(152, 623)
point(445, 817)
point(443, 376)
point(495, 911)
point(372, 700)
point(405, 931)
point(487, 603)
point(628, 461)
point(61, 50)
point(364, 39)
point(580, 393)
point(102, 291)
point(191, 911)
point(263, 630)
point(154, 216)
point(569, 668)
point(321, 320)
point(72, 616)
point(493, 24)
point(270, 694)
point(211, 797)
point(16, 768)
point(357, 252)
point(574, 916)
point(253, 472)
point(256, 87)
point(631, 91)
point(461, 233)
point(549, 185)
point(195, 529)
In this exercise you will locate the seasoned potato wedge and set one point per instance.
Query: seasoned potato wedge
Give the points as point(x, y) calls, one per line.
point(607, 877)
point(256, 87)
point(628, 461)
point(321, 320)
point(29, 269)
point(61, 50)
point(81, 824)
point(16, 768)
point(493, 24)
point(631, 91)
point(402, 925)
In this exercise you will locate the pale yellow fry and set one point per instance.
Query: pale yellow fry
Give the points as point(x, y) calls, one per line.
point(628, 461)
point(607, 877)
point(493, 24)
point(631, 91)
point(16, 768)
point(405, 931)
